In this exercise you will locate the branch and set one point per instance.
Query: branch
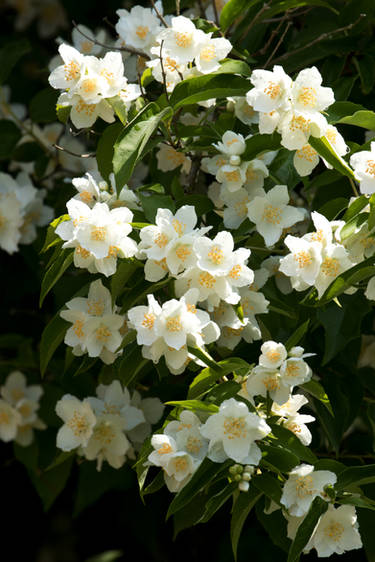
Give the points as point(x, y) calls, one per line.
point(321, 37)
point(160, 16)
point(89, 155)
point(278, 44)
point(127, 49)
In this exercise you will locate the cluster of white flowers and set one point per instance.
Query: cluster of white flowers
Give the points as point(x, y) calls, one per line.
point(316, 259)
point(292, 419)
point(97, 329)
point(88, 82)
point(108, 427)
point(295, 109)
point(231, 433)
point(21, 211)
point(98, 234)
point(92, 189)
point(169, 329)
point(278, 372)
point(19, 405)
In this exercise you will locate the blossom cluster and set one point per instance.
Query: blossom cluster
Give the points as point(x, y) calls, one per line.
point(109, 427)
point(97, 327)
point(21, 211)
point(19, 405)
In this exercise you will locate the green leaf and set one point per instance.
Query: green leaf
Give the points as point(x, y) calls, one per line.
point(54, 272)
point(277, 458)
point(362, 118)
point(10, 135)
point(314, 388)
point(194, 406)
point(131, 363)
point(333, 208)
point(366, 70)
point(105, 148)
point(194, 90)
point(306, 528)
point(357, 500)
point(325, 150)
point(49, 484)
point(260, 143)
point(287, 439)
point(356, 207)
point(296, 337)
point(42, 107)
point(358, 475)
point(352, 225)
point(208, 376)
point(217, 501)
point(241, 509)
point(131, 144)
point(108, 556)
point(10, 55)
point(371, 218)
point(63, 113)
point(124, 272)
point(234, 9)
point(231, 66)
point(347, 279)
point(269, 485)
point(206, 472)
point(153, 202)
point(119, 107)
point(53, 334)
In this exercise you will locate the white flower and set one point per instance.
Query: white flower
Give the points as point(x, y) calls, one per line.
point(67, 75)
point(232, 177)
point(336, 532)
point(243, 111)
point(165, 446)
point(187, 435)
point(169, 159)
point(173, 71)
point(85, 45)
point(370, 289)
point(10, 420)
point(363, 164)
point(307, 94)
point(139, 27)
point(182, 40)
point(256, 171)
point(271, 213)
point(268, 122)
point(152, 409)
point(211, 51)
point(304, 260)
point(115, 400)
point(292, 420)
point(271, 89)
point(107, 442)
point(273, 355)
point(335, 260)
point(305, 160)
point(215, 256)
point(236, 210)
point(79, 421)
point(231, 144)
point(263, 382)
point(232, 433)
point(142, 318)
point(85, 114)
point(304, 484)
point(296, 127)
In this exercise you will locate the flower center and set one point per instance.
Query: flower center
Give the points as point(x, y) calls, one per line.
point(174, 324)
point(178, 226)
point(272, 214)
point(304, 486)
point(78, 424)
point(208, 53)
point(307, 96)
point(96, 308)
point(330, 267)
point(307, 152)
point(102, 333)
point(148, 320)
point(207, 280)
point(142, 31)
point(183, 39)
point(272, 90)
point(71, 70)
point(334, 531)
point(78, 329)
point(216, 255)
point(303, 259)
point(183, 252)
point(235, 272)
point(235, 428)
point(98, 234)
point(370, 168)
point(161, 240)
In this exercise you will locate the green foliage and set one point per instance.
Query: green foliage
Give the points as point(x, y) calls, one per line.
point(304, 532)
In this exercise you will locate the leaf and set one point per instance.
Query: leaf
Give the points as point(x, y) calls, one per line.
point(371, 218)
point(291, 442)
point(357, 500)
point(194, 90)
point(366, 71)
point(362, 118)
point(53, 334)
point(352, 225)
point(306, 528)
point(314, 388)
point(124, 272)
point(108, 556)
point(206, 472)
point(49, 484)
point(269, 485)
point(131, 144)
point(42, 108)
point(356, 207)
point(54, 272)
point(10, 135)
point(153, 202)
point(217, 501)
point(278, 458)
point(130, 365)
point(119, 107)
point(358, 475)
point(234, 9)
point(231, 66)
point(10, 55)
point(260, 143)
point(296, 337)
point(347, 279)
point(105, 148)
point(63, 113)
point(208, 376)
point(241, 509)
point(333, 208)
point(194, 405)
point(325, 150)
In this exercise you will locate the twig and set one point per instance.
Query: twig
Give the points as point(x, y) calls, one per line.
point(322, 37)
point(302, 13)
point(106, 20)
point(89, 155)
point(163, 72)
point(177, 7)
point(274, 32)
point(201, 9)
point(278, 44)
point(265, 7)
point(354, 187)
point(215, 12)
point(111, 47)
point(160, 16)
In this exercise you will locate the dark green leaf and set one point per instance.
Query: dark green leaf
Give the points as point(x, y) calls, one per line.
point(241, 509)
point(296, 337)
point(42, 107)
point(278, 458)
point(105, 148)
point(194, 90)
point(10, 135)
point(53, 334)
point(291, 442)
point(194, 405)
point(10, 55)
point(357, 475)
point(269, 485)
point(54, 272)
point(260, 143)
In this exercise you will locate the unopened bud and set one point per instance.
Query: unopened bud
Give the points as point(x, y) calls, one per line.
point(243, 486)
